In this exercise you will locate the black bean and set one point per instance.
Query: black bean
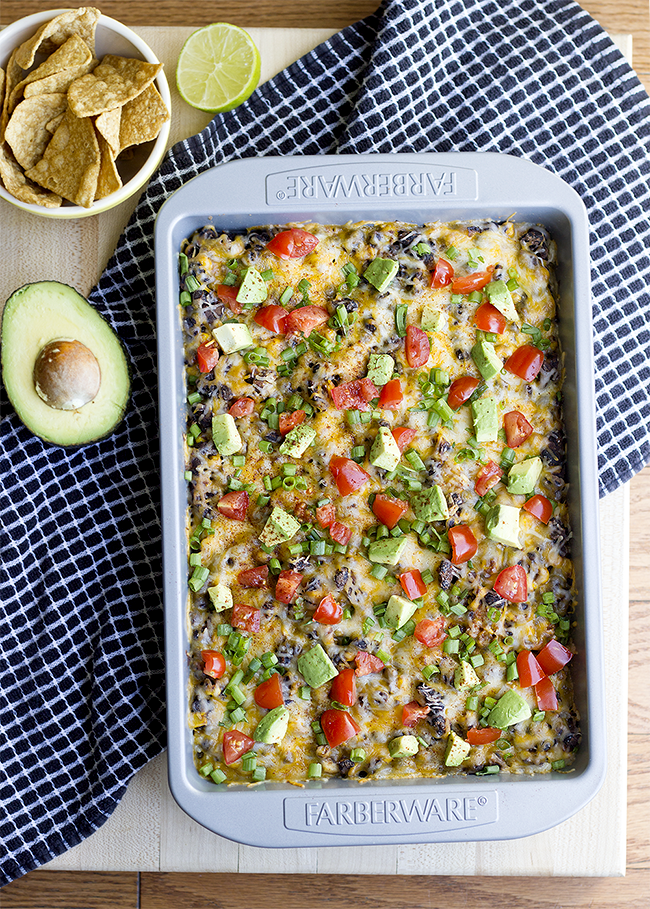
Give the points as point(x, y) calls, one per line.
point(208, 233)
point(345, 766)
point(536, 242)
point(447, 574)
point(341, 577)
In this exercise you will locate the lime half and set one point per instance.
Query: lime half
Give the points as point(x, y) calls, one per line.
point(218, 68)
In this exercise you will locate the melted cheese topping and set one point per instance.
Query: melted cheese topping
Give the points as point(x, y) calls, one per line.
point(489, 630)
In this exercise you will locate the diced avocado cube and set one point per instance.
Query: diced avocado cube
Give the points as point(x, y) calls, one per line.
point(523, 477)
point(511, 708)
point(486, 423)
point(488, 362)
point(403, 746)
point(456, 750)
point(387, 551)
point(225, 434)
point(380, 368)
point(220, 597)
point(380, 273)
point(232, 336)
point(279, 528)
point(432, 318)
point(501, 298)
point(385, 452)
point(398, 611)
point(272, 728)
point(502, 525)
point(465, 677)
point(316, 667)
point(430, 504)
point(253, 288)
point(297, 441)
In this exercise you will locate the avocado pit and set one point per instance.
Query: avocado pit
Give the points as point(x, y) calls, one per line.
point(66, 374)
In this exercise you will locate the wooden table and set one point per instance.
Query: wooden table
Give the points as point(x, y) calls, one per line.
point(148, 832)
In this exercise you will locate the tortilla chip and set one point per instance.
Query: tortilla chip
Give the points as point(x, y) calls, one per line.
point(58, 82)
point(108, 180)
point(56, 32)
point(53, 125)
point(114, 82)
point(13, 75)
point(142, 118)
point(70, 165)
point(19, 186)
point(108, 125)
point(2, 86)
point(26, 133)
point(74, 54)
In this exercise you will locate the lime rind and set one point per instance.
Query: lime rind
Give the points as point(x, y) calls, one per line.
point(218, 68)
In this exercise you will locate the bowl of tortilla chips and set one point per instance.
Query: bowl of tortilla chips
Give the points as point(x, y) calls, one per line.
point(84, 113)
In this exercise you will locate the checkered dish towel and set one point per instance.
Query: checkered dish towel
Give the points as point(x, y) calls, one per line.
point(81, 686)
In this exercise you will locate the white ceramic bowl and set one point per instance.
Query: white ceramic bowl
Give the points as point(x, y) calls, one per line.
point(111, 37)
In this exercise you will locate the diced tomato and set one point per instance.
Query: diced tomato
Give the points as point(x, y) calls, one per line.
point(338, 727)
point(546, 695)
point(463, 543)
point(483, 735)
point(417, 346)
point(207, 356)
point(487, 477)
point(525, 362)
point(517, 428)
point(245, 617)
point(214, 663)
point(442, 273)
point(403, 436)
point(368, 389)
point(344, 688)
point(340, 533)
point(234, 505)
point(412, 713)
point(350, 396)
point(292, 244)
point(391, 395)
point(347, 474)
point(235, 745)
point(488, 318)
point(530, 672)
point(553, 657)
point(227, 293)
point(254, 577)
point(431, 632)
point(273, 318)
point(289, 421)
point(367, 663)
point(328, 612)
point(306, 318)
point(512, 584)
point(540, 508)
point(325, 515)
point(412, 584)
point(388, 510)
point(461, 390)
point(469, 283)
point(242, 407)
point(268, 694)
point(287, 585)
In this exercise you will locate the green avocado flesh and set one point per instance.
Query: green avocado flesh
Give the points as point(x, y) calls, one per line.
point(37, 315)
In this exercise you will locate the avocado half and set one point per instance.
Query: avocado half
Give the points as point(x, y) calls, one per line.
point(63, 366)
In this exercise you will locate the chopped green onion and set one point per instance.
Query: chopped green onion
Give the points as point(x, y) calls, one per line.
point(379, 572)
point(218, 776)
point(429, 670)
point(538, 716)
point(451, 253)
point(383, 656)
point(286, 295)
point(249, 762)
point(558, 765)
point(357, 755)
point(400, 319)
point(486, 771)
point(314, 771)
point(192, 284)
point(267, 274)
point(258, 774)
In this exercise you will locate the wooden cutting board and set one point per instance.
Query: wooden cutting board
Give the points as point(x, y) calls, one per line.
point(148, 832)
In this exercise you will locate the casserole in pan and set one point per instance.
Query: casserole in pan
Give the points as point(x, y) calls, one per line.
point(376, 807)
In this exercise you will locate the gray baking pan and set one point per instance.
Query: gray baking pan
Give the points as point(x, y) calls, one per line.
point(415, 188)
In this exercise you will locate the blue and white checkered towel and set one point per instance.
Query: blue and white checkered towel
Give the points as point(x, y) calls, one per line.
point(81, 669)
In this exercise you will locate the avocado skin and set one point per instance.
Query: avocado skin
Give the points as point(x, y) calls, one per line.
point(23, 404)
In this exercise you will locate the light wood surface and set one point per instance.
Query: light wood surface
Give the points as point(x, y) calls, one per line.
point(157, 835)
